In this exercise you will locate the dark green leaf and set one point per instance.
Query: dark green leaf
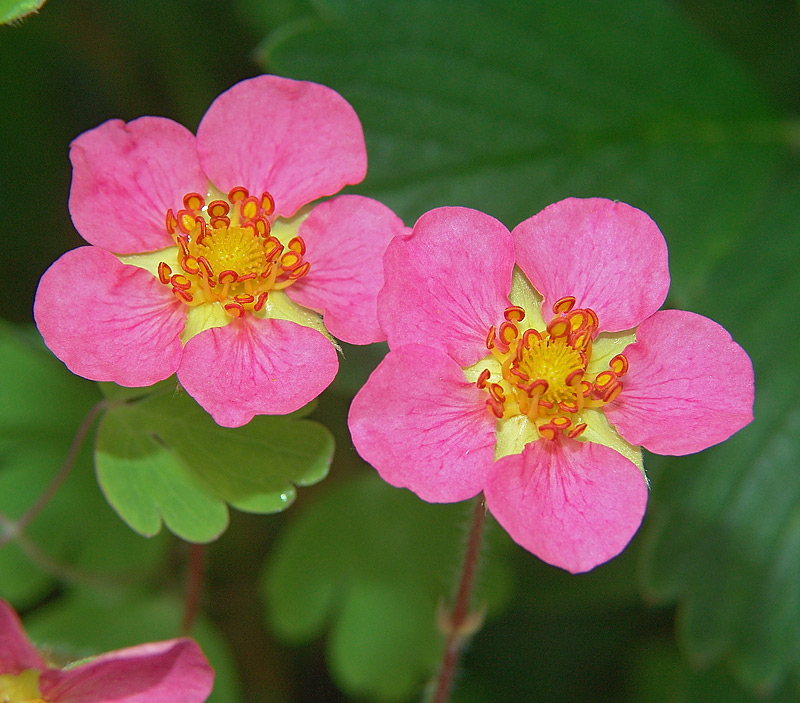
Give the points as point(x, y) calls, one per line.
point(725, 538)
point(372, 563)
point(507, 107)
point(164, 458)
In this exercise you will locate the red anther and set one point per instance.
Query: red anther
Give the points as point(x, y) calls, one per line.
point(267, 203)
point(170, 222)
point(586, 389)
point(218, 208)
point(568, 406)
point(189, 264)
point(267, 271)
point(497, 408)
point(611, 393)
point(201, 235)
point(514, 313)
point(604, 380)
point(299, 272)
point(228, 276)
point(298, 245)
point(579, 340)
point(619, 364)
point(577, 430)
point(546, 404)
point(234, 309)
point(180, 281)
point(262, 225)
point(183, 243)
point(186, 221)
point(261, 302)
point(247, 277)
point(182, 295)
point(560, 422)
point(578, 319)
point(275, 248)
point(483, 378)
point(529, 334)
point(547, 432)
point(508, 332)
point(595, 323)
point(249, 207)
point(540, 386)
point(574, 377)
point(205, 267)
point(244, 298)
point(290, 261)
point(193, 201)
point(164, 272)
point(496, 391)
point(237, 193)
point(490, 336)
point(519, 374)
point(220, 222)
point(558, 327)
point(564, 304)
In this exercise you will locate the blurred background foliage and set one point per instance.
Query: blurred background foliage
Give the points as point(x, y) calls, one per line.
point(688, 110)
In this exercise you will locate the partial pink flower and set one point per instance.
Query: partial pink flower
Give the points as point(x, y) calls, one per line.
point(532, 365)
point(174, 671)
point(207, 257)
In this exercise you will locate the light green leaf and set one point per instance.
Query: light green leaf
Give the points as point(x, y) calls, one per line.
point(164, 458)
point(507, 107)
point(13, 10)
point(43, 405)
point(372, 563)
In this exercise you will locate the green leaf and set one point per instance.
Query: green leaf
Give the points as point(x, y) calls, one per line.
point(14, 10)
point(725, 532)
point(164, 459)
point(43, 405)
point(372, 563)
point(507, 107)
point(86, 623)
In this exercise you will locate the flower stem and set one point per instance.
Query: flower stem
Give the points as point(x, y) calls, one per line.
point(194, 586)
point(16, 527)
point(458, 626)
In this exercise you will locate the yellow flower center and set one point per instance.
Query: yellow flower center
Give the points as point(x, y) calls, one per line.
point(227, 255)
point(22, 688)
point(544, 373)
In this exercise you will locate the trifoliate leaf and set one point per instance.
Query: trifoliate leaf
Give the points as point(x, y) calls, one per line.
point(43, 405)
point(163, 458)
point(372, 563)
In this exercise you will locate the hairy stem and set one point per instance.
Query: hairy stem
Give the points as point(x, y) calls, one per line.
point(456, 623)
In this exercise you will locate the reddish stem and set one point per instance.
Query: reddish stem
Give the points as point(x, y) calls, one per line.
point(194, 586)
point(456, 631)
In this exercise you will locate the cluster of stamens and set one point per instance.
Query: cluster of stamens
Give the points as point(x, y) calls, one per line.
point(227, 254)
point(544, 374)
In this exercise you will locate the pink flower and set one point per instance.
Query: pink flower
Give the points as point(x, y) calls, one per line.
point(204, 260)
point(536, 384)
point(174, 671)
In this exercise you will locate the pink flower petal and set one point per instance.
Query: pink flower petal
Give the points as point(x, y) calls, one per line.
point(573, 504)
point(300, 141)
point(609, 256)
point(423, 427)
point(174, 671)
point(16, 651)
point(447, 283)
point(689, 385)
point(107, 321)
point(345, 240)
point(126, 176)
point(256, 366)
